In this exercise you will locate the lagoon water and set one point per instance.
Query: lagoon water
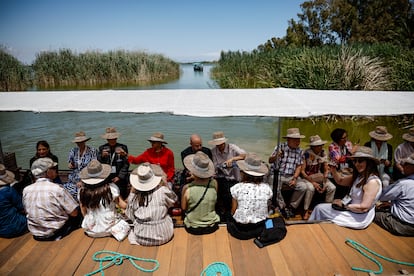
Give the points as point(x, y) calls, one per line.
point(19, 131)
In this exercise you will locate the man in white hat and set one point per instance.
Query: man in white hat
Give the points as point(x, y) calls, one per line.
point(52, 213)
point(315, 174)
point(287, 160)
point(399, 220)
point(382, 150)
point(403, 151)
point(110, 153)
point(225, 156)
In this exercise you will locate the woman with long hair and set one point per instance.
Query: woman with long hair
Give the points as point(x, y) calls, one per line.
point(357, 209)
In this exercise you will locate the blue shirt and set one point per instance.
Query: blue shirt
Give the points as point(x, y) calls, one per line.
point(12, 219)
point(401, 194)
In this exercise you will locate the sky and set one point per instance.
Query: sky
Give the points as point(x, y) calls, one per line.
point(182, 30)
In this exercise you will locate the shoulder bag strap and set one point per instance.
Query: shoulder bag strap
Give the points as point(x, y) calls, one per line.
point(201, 199)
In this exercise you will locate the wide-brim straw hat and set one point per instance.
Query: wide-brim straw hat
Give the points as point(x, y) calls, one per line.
point(380, 133)
point(253, 165)
point(218, 138)
point(409, 137)
point(110, 133)
point(6, 176)
point(80, 137)
point(41, 165)
point(315, 140)
point(364, 152)
point(294, 133)
point(143, 178)
point(95, 172)
point(199, 164)
point(408, 160)
point(157, 137)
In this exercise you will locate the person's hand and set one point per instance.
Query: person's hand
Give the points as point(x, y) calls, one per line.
point(337, 201)
point(318, 187)
point(71, 165)
point(79, 184)
point(115, 179)
point(292, 182)
point(121, 151)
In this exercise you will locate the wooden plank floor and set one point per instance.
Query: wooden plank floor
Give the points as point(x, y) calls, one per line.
point(308, 249)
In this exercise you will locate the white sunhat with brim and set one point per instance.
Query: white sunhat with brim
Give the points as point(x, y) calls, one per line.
point(364, 152)
point(143, 178)
point(199, 164)
point(218, 138)
point(41, 165)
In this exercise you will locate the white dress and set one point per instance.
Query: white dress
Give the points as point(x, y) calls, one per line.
point(98, 222)
point(349, 219)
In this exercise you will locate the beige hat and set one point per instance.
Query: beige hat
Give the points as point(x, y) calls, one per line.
point(408, 160)
point(80, 137)
point(380, 133)
point(110, 133)
point(95, 172)
point(253, 165)
point(157, 137)
point(293, 133)
point(409, 136)
point(143, 178)
point(199, 164)
point(315, 140)
point(364, 152)
point(218, 138)
point(41, 165)
point(6, 177)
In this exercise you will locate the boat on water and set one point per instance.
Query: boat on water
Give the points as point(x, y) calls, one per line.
point(198, 66)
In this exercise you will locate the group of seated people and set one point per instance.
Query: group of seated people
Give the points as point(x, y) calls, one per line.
point(221, 184)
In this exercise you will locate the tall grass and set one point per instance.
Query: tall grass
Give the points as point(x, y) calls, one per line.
point(357, 67)
point(14, 76)
point(93, 69)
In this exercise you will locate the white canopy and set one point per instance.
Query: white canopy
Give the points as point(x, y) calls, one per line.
point(278, 102)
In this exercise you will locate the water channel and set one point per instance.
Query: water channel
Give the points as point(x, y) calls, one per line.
point(19, 131)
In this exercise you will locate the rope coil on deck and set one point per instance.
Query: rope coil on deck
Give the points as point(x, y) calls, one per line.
point(217, 267)
point(116, 258)
point(359, 248)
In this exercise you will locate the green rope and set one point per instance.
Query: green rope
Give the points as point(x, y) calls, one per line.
point(116, 258)
point(217, 267)
point(359, 248)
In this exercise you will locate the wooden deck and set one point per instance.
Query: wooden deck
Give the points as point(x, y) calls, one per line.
point(308, 249)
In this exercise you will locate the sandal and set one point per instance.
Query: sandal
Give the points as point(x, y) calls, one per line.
point(307, 214)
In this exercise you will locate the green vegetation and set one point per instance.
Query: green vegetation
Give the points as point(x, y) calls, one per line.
point(90, 70)
point(93, 69)
point(376, 67)
point(14, 75)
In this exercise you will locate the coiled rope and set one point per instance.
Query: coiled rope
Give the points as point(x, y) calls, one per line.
point(359, 248)
point(216, 267)
point(116, 258)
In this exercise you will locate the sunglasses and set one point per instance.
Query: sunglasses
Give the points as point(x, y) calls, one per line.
point(358, 161)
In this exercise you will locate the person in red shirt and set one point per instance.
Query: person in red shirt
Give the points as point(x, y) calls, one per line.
point(158, 154)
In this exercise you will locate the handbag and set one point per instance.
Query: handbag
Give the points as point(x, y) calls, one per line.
point(273, 232)
point(120, 230)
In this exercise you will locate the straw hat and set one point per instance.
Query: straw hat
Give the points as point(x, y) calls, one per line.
point(199, 164)
point(408, 160)
point(294, 133)
point(218, 138)
point(380, 133)
point(80, 137)
point(110, 133)
point(95, 172)
point(364, 152)
point(409, 136)
point(6, 177)
point(253, 165)
point(143, 178)
point(316, 141)
point(41, 165)
point(157, 137)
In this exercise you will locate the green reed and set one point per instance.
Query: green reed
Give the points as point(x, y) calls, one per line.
point(357, 67)
point(64, 69)
point(14, 76)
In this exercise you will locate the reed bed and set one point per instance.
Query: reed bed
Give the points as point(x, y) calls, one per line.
point(14, 76)
point(357, 67)
point(93, 69)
